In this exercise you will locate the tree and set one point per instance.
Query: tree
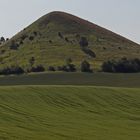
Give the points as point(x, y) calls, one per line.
point(85, 67)
point(108, 66)
point(32, 61)
point(60, 35)
point(35, 33)
point(83, 42)
point(123, 65)
point(68, 67)
point(2, 39)
point(31, 38)
point(11, 70)
point(14, 45)
point(71, 68)
point(38, 68)
point(68, 61)
point(51, 68)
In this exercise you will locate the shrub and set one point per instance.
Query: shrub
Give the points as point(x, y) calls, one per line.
point(68, 61)
point(122, 66)
point(71, 68)
point(51, 68)
point(23, 37)
point(60, 35)
point(108, 66)
point(67, 68)
point(21, 42)
point(7, 39)
point(66, 39)
point(38, 68)
point(83, 42)
point(12, 70)
point(35, 33)
point(77, 36)
point(62, 68)
point(50, 41)
point(3, 51)
point(2, 39)
point(31, 38)
point(31, 61)
point(85, 67)
point(14, 45)
point(119, 48)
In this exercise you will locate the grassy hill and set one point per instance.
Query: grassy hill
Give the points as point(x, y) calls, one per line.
point(69, 112)
point(55, 37)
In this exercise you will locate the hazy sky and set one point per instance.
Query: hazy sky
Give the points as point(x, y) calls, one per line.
point(120, 16)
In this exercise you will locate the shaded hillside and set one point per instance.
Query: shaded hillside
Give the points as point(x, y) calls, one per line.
point(56, 36)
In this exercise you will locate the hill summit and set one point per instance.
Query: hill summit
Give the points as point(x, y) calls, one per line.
point(58, 36)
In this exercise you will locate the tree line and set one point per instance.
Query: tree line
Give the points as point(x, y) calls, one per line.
point(67, 67)
point(123, 65)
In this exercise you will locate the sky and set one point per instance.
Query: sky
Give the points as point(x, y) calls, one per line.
point(120, 16)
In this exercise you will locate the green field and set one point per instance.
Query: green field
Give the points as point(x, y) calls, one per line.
point(69, 113)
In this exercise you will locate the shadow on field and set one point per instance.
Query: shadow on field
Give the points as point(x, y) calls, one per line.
point(95, 79)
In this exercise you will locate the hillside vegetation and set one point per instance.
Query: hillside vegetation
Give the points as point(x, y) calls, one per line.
point(57, 36)
point(69, 112)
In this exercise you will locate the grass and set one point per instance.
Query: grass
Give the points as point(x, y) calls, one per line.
point(56, 78)
point(69, 113)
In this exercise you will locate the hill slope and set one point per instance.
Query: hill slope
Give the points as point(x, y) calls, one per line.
point(55, 37)
point(69, 112)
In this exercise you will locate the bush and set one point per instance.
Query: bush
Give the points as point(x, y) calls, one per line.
point(38, 68)
point(60, 35)
point(108, 66)
point(50, 41)
point(83, 42)
point(14, 45)
point(21, 42)
point(66, 39)
point(67, 68)
point(31, 38)
point(7, 39)
point(31, 61)
point(35, 33)
point(23, 37)
point(51, 68)
point(2, 39)
point(62, 68)
point(85, 67)
point(122, 66)
point(12, 70)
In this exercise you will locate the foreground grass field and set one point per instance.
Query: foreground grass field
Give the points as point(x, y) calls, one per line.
point(69, 113)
